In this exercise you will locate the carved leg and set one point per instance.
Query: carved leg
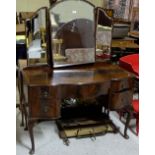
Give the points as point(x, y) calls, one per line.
point(22, 114)
point(30, 128)
point(127, 125)
point(26, 121)
point(21, 100)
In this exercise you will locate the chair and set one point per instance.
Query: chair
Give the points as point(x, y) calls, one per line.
point(135, 105)
point(131, 64)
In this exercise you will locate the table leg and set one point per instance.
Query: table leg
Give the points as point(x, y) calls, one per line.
point(26, 117)
point(22, 112)
point(30, 128)
point(127, 125)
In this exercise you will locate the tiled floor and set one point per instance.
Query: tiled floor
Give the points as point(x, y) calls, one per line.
point(48, 142)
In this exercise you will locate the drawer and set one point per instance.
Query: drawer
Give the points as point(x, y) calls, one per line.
point(119, 85)
point(120, 100)
point(91, 91)
point(87, 91)
point(43, 106)
point(45, 92)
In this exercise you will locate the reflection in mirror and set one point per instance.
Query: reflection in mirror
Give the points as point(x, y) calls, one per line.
point(73, 33)
point(103, 34)
point(36, 28)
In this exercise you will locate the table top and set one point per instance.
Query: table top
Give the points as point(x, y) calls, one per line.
point(96, 73)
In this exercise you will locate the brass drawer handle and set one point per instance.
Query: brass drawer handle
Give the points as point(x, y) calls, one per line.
point(44, 92)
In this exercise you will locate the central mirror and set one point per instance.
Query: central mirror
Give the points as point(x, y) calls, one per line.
point(72, 33)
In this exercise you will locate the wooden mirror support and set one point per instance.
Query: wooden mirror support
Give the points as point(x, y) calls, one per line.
point(37, 28)
point(103, 34)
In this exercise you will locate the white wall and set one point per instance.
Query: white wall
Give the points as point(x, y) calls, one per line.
point(97, 2)
point(30, 5)
point(33, 5)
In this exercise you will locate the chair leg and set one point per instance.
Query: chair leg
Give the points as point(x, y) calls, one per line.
point(137, 126)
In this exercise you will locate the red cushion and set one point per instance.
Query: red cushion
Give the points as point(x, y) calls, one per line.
point(135, 104)
point(130, 63)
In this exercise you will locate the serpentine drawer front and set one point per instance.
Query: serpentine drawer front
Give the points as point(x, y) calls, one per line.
point(43, 102)
point(120, 100)
point(122, 85)
point(121, 93)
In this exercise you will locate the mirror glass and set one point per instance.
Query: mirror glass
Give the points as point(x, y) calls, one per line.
point(72, 33)
point(36, 28)
point(103, 34)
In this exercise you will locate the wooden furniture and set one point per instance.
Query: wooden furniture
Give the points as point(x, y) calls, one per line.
point(24, 15)
point(44, 88)
point(103, 33)
point(20, 29)
point(122, 43)
point(123, 47)
point(37, 38)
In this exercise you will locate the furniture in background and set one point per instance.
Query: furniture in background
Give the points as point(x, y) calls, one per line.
point(24, 15)
point(20, 48)
point(131, 64)
point(135, 105)
point(123, 47)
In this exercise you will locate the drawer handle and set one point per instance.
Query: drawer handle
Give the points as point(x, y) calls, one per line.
point(45, 94)
point(46, 109)
point(45, 106)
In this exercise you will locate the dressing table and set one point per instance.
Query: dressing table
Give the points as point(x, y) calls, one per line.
point(45, 88)
point(50, 74)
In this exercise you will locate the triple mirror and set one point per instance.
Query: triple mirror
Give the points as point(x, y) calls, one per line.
point(36, 38)
point(72, 32)
point(103, 34)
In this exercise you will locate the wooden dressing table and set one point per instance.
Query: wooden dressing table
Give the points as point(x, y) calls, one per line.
point(44, 88)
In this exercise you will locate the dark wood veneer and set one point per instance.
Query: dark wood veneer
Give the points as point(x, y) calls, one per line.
point(47, 87)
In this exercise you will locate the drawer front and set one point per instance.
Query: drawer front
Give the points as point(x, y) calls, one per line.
point(87, 91)
point(120, 100)
point(43, 104)
point(122, 85)
point(47, 92)
point(93, 90)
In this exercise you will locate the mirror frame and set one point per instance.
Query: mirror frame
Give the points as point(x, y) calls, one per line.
point(50, 37)
point(98, 9)
point(47, 27)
